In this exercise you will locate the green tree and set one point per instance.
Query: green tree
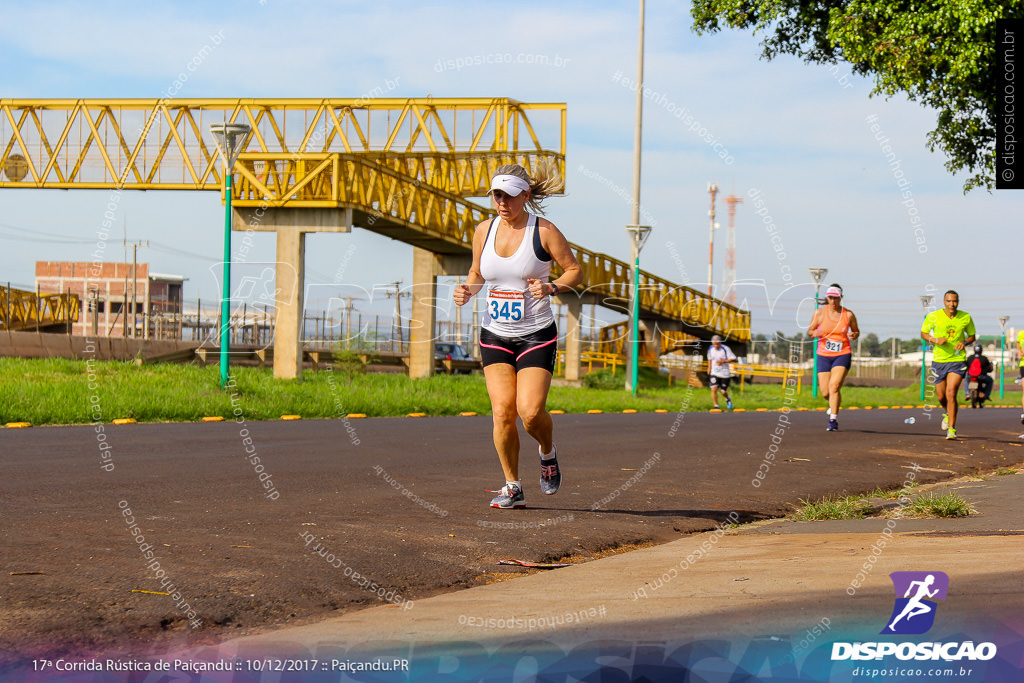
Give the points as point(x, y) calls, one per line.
point(940, 53)
point(870, 346)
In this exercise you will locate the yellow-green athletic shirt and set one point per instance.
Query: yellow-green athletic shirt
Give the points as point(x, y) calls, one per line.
point(1020, 340)
point(956, 329)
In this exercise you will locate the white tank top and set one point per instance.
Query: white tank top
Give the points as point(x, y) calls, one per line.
point(510, 311)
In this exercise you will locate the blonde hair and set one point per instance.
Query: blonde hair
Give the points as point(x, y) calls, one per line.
point(547, 182)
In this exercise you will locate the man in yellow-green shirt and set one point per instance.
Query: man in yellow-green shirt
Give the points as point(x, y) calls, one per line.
point(1020, 352)
point(950, 331)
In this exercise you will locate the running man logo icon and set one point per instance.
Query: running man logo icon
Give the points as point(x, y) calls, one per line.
point(914, 612)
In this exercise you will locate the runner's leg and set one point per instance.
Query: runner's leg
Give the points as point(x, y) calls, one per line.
point(953, 381)
point(501, 387)
point(531, 403)
point(835, 384)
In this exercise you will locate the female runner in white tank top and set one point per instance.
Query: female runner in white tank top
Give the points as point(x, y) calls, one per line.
point(512, 257)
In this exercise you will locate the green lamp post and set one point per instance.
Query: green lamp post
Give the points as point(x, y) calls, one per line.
point(926, 302)
point(638, 235)
point(1003, 319)
point(818, 275)
point(231, 138)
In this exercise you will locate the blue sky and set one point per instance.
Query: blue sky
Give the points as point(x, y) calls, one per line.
point(797, 138)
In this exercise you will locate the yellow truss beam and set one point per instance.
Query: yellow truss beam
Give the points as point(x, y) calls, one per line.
point(21, 310)
point(165, 144)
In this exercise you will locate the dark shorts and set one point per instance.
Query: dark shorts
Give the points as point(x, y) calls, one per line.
point(940, 370)
point(722, 382)
point(534, 350)
point(826, 363)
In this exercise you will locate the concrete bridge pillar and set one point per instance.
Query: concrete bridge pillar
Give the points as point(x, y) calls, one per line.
point(426, 267)
point(291, 226)
point(573, 333)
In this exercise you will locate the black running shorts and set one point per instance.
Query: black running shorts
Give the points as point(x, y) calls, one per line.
point(534, 350)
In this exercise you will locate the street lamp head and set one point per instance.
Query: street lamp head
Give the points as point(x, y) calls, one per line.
point(638, 235)
point(1003, 319)
point(231, 138)
point(818, 274)
point(926, 301)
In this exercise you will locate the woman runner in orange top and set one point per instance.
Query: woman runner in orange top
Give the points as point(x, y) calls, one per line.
point(834, 326)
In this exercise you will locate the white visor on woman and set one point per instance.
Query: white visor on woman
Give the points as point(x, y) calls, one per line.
point(509, 184)
point(834, 291)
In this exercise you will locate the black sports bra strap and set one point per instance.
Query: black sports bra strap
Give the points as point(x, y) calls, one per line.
point(538, 249)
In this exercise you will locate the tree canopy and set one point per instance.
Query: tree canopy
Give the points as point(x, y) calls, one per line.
point(940, 53)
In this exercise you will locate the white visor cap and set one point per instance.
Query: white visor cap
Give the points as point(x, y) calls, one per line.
point(509, 184)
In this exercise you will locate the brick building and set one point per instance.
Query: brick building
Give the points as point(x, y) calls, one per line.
point(110, 291)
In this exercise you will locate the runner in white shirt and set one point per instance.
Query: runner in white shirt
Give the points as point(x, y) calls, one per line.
point(720, 360)
point(512, 257)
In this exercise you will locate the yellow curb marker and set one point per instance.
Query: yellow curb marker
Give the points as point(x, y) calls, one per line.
point(213, 418)
point(468, 413)
point(556, 412)
point(416, 415)
point(125, 421)
point(629, 410)
point(355, 415)
point(18, 425)
point(594, 412)
point(291, 417)
point(715, 410)
point(660, 410)
point(739, 410)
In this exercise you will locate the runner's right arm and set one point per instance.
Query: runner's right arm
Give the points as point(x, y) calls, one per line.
point(474, 280)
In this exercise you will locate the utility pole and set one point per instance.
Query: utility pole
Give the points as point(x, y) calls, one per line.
point(135, 244)
point(712, 190)
point(346, 321)
point(730, 250)
point(397, 294)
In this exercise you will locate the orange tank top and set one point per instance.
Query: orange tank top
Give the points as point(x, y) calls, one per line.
point(835, 342)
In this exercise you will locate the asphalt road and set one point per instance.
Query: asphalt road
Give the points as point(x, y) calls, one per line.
point(399, 501)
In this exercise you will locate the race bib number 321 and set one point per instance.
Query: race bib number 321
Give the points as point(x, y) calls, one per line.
point(833, 346)
point(505, 306)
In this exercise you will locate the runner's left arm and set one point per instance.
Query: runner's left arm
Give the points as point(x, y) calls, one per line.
point(854, 327)
point(554, 243)
point(971, 336)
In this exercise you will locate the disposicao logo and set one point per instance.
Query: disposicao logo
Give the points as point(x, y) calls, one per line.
point(914, 611)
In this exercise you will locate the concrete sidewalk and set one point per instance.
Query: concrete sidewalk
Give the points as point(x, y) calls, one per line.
point(798, 582)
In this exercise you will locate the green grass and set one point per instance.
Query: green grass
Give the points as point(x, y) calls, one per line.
point(854, 507)
point(933, 505)
point(831, 507)
point(58, 391)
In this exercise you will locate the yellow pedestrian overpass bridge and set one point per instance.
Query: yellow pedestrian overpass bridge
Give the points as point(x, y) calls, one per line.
point(403, 168)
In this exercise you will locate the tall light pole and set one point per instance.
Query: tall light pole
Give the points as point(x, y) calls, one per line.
point(634, 229)
point(818, 275)
point(926, 302)
point(713, 190)
point(1003, 319)
point(637, 236)
point(231, 138)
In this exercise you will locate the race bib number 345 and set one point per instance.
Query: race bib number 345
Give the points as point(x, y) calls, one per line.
point(504, 306)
